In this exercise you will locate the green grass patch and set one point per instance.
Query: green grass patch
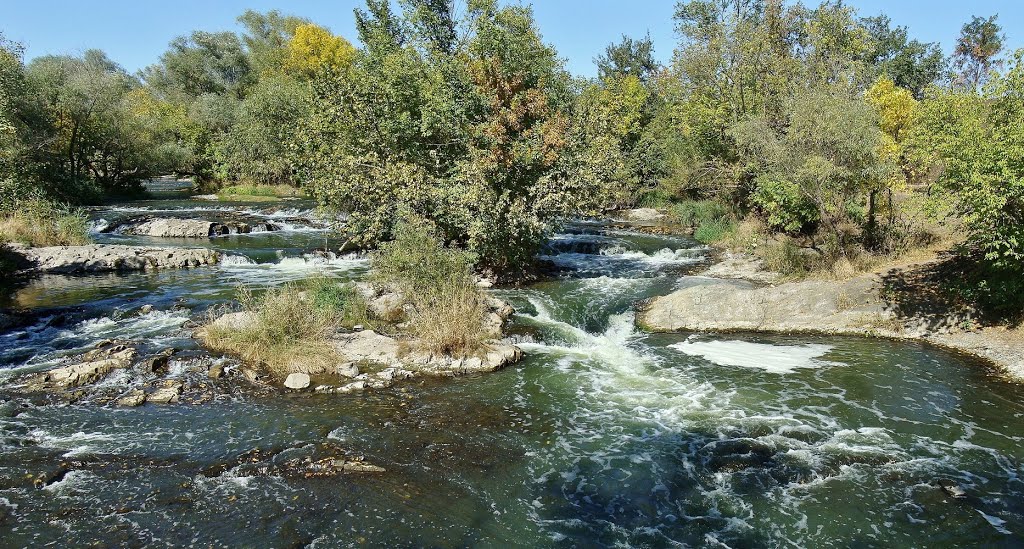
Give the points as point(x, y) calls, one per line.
point(258, 193)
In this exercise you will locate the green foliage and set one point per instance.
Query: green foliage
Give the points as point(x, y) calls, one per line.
point(437, 281)
point(255, 147)
point(628, 58)
point(979, 141)
point(823, 163)
point(470, 137)
point(909, 64)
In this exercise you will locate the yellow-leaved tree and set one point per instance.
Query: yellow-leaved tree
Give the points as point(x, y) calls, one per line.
point(313, 47)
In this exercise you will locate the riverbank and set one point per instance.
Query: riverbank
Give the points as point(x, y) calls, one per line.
point(891, 304)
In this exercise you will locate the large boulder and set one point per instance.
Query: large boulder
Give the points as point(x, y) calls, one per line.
point(190, 228)
point(822, 306)
point(96, 258)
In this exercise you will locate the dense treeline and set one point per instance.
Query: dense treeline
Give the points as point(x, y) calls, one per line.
point(829, 135)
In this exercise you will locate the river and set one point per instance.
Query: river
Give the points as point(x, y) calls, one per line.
point(601, 436)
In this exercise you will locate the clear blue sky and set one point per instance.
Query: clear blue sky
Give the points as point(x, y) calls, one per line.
point(135, 33)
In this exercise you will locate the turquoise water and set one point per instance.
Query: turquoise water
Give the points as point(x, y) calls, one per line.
point(602, 436)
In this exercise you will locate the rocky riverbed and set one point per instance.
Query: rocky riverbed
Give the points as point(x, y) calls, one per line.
point(113, 417)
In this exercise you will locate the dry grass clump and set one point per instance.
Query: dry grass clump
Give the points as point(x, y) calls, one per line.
point(39, 222)
point(447, 309)
point(288, 329)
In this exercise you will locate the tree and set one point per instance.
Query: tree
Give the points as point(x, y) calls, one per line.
point(979, 142)
point(89, 128)
point(314, 48)
point(202, 63)
point(817, 167)
point(469, 135)
point(910, 64)
point(977, 48)
point(628, 58)
point(255, 148)
point(266, 38)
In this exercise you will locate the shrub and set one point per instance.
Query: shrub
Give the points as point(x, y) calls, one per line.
point(39, 222)
point(269, 191)
point(438, 282)
point(288, 328)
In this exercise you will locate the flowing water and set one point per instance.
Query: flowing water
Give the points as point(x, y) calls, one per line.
point(602, 436)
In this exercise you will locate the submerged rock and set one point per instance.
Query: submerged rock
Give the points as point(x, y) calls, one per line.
point(95, 258)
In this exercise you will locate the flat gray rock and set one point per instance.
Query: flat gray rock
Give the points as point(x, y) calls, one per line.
point(96, 258)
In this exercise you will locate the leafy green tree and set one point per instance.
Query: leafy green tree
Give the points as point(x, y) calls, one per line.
point(266, 38)
point(910, 64)
point(978, 141)
point(469, 135)
point(628, 58)
point(977, 50)
point(820, 167)
point(255, 148)
point(93, 132)
point(202, 63)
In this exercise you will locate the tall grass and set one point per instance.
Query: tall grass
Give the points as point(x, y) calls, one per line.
point(437, 281)
point(40, 222)
point(289, 327)
point(710, 220)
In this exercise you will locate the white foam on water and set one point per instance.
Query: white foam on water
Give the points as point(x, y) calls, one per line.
point(996, 522)
point(98, 225)
point(74, 444)
point(291, 268)
point(777, 359)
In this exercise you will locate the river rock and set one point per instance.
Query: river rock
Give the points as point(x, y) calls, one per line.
point(643, 215)
point(191, 228)
point(95, 258)
point(297, 381)
point(367, 346)
point(92, 367)
point(742, 267)
point(348, 369)
point(168, 393)
point(134, 398)
point(216, 371)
